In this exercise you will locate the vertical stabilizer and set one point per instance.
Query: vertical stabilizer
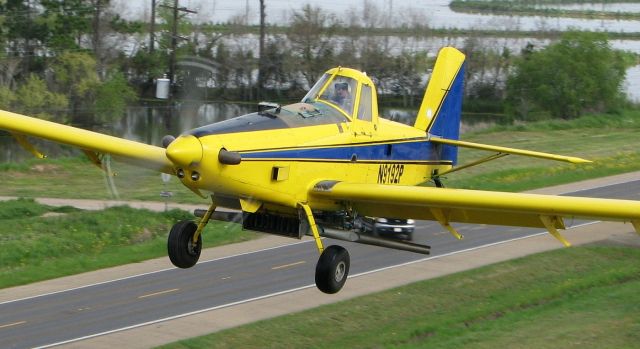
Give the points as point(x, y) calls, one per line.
point(439, 113)
point(444, 89)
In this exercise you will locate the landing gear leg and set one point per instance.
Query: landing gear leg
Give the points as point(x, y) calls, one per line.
point(332, 268)
point(184, 244)
point(436, 179)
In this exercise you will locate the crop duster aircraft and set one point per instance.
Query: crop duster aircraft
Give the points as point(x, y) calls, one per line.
point(317, 167)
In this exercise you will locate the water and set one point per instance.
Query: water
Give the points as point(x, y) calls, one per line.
point(432, 45)
point(435, 13)
point(632, 84)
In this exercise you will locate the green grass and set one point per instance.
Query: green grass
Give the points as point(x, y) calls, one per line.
point(583, 297)
point(37, 245)
point(55, 177)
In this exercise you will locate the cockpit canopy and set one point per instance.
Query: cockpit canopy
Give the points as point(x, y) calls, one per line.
point(347, 90)
point(341, 95)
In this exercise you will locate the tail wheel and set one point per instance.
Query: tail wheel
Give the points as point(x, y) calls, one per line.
point(183, 252)
point(332, 269)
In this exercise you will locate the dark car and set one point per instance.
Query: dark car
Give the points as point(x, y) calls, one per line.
point(388, 227)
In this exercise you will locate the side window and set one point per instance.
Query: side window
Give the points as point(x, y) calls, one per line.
point(364, 108)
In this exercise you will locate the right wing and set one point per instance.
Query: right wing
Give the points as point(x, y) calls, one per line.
point(472, 206)
point(136, 153)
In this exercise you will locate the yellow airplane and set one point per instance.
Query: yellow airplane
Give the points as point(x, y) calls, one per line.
point(317, 167)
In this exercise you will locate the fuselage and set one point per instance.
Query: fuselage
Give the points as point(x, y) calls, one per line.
point(281, 152)
point(283, 155)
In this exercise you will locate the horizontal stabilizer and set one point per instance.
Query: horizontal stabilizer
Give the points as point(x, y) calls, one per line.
point(506, 150)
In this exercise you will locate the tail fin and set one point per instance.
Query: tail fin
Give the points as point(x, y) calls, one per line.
point(441, 106)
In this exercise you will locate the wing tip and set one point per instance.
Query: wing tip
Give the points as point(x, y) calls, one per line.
point(576, 160)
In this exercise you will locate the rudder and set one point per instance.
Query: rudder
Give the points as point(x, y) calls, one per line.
point(439, 113)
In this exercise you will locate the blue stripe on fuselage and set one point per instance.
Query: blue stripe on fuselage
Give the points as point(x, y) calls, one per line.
point(406, 151)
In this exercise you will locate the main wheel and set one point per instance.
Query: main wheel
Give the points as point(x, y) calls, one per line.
point(332, 269)
point(182, 251)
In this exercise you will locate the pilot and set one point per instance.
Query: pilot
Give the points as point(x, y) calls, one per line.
point(341, 96)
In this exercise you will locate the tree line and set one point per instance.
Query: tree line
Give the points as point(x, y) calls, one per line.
point(78, 61)
point(538, 8)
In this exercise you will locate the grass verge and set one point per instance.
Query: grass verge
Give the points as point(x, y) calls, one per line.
point(55, 177)
point(39, 242)
point(583, 297)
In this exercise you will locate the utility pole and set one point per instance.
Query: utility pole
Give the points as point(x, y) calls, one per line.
point(28, 48)
point(174, 39)
point(261, 58)
point(174, 43)
point(246, 12)
point(97, 39)
point(152, 29)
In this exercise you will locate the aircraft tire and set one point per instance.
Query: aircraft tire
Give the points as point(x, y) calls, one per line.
point(332, 269)
point(182, 252)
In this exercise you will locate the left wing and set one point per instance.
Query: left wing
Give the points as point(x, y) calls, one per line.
point(132, 152)
point(474, 206)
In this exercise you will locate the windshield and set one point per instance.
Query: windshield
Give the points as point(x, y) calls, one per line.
point(288, 116)
point(339, 92)
point(313, 93)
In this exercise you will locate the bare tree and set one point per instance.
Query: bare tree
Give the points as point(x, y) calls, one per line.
point(311, 37)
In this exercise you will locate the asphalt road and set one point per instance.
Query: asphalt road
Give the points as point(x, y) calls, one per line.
point(66, 316)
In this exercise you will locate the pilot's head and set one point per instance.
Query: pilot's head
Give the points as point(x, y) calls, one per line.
point(341, 90)
point(341, 86)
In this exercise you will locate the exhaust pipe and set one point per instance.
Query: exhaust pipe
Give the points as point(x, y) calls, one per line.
point(352, 236)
